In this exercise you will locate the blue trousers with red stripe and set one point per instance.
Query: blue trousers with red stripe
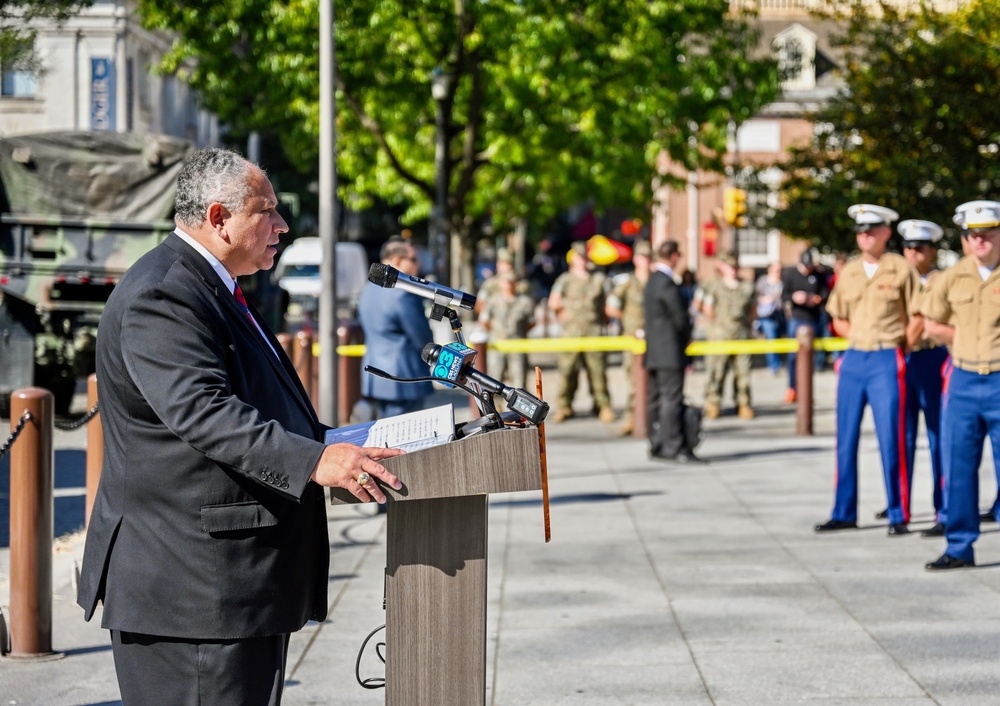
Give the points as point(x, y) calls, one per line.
point(875, 378)
point(970, 412)
point(923, 394)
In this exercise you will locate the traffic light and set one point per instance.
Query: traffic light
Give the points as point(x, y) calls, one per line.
point(734, 206)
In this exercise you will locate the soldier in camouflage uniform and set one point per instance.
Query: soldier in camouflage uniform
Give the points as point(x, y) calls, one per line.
point(577, 298)
point(507, 314)
point(625, 303)
point(726, 302)
point(491, 285)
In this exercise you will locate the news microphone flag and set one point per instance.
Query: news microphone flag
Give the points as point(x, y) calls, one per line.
point(448, 362)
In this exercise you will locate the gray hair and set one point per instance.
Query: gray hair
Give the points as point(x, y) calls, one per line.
point(212, 175)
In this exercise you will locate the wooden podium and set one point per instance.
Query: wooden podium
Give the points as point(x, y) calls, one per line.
point(436, 562)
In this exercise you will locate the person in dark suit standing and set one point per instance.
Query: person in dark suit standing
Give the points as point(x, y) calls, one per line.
point(668, 332)
point(396, 331)
point(208, 539)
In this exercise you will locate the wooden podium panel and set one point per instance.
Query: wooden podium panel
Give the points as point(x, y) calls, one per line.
point(436, 562)
point(503, 461)
point(436, 602)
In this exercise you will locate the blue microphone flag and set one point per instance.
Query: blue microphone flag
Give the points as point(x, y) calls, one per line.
point(451, 359)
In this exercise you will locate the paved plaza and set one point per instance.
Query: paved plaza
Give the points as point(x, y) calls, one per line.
point(663, 584)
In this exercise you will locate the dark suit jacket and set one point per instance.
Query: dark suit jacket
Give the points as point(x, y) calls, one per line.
point(205, 525)
point(396, 331)
point(668, 324)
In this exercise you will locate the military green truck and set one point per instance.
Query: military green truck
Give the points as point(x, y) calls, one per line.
point(78, 208)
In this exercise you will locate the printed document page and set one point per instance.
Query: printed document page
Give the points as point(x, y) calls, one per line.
point(410, 432)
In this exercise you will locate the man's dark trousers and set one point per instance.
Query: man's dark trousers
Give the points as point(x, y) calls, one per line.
point(665, 407)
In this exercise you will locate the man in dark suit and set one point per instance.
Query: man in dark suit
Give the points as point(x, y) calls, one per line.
point(668, 332)
point(396, 331)
point(208, 539)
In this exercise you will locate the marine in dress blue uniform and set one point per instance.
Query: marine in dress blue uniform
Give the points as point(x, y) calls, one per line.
point(871, 307)
point(963, 311)
point(925, 362)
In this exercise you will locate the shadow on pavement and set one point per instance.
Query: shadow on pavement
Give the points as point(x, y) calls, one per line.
point(570, 499)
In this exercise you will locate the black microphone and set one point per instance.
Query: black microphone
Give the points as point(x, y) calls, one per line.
point(388, 277)
point(454, 363)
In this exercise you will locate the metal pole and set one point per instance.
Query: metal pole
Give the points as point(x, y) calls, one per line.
point(804, 382)
point(31, 525)
point(441, 220)
point(95, 447)
point(327, 324)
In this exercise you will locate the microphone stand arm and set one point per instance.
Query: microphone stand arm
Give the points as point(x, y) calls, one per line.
point(438, 312)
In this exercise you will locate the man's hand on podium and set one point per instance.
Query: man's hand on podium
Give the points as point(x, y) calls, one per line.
point(356, 468)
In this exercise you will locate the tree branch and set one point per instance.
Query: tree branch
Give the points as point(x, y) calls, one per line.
point(375, 129)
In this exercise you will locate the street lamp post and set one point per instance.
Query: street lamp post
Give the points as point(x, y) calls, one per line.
point(440, 239)
point(328, 359)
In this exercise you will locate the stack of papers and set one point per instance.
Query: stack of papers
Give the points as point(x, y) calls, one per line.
point(410, 432)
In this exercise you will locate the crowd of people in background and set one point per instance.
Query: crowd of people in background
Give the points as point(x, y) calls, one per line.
point(586, 300)
point(915, 335)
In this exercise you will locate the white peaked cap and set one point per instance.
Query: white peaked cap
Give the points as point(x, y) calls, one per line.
point(916, 231)
point(869, 214)
point(978, 214)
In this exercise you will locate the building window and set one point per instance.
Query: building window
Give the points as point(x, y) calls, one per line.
point(795, 48)
point(18, 84)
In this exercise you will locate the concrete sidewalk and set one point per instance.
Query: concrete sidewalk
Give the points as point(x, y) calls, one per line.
point(663, 584)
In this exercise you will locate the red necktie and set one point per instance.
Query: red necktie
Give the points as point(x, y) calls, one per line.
point(242, 301)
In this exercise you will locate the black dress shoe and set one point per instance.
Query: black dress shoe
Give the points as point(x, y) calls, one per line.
point(946, 561)
point(935, 531)
point(898, 529)
point(882, 514)
point(987, 516)
point(689, 457)
point(834, 525)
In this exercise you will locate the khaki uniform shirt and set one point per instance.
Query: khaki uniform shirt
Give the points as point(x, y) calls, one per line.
point(961, 298)
point(879, 308)
point(918, 303)
point(508, 318)
point(730, 309)
point(628, 297)
point(491, 287)
point(583, 303)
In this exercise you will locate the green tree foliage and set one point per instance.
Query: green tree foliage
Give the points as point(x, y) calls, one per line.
point(551, 102)
point(914, 129)
point(17, 37)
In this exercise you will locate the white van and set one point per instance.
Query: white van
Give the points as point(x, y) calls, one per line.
point(297, 272)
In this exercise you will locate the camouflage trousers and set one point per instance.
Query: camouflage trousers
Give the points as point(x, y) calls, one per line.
point(718, 366)
point(628, 368)
point(508, 368)
point(569, 366)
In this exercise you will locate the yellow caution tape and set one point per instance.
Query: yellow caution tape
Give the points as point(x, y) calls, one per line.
point(634, 345)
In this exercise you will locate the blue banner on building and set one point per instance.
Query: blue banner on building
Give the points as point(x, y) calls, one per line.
point(102, 94)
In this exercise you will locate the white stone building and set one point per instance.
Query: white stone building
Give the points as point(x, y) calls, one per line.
point(95, 73)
